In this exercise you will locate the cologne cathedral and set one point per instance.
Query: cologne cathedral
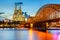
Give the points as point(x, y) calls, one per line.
point(18, 13)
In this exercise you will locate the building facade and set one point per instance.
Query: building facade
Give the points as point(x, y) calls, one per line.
point(18, 16)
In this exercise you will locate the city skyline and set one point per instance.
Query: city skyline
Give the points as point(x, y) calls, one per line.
point(29, 6)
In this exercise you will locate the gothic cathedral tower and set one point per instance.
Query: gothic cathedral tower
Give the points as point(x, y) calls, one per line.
point(18, 16)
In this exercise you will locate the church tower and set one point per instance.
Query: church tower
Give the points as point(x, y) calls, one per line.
point(18, 16)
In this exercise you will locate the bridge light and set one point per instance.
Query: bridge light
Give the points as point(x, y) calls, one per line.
point(31, 25)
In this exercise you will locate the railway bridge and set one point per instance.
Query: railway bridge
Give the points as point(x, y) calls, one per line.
point(48, 16)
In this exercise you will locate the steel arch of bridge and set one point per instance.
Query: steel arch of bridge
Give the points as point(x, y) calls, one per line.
point(48, 12)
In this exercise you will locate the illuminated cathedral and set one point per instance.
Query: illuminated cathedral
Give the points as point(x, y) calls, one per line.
point(18, 14)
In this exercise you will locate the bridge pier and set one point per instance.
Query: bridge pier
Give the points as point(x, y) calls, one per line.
point(31, 25)
point(47, 24)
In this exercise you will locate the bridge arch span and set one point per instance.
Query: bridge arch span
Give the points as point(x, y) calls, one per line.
point(47, 12)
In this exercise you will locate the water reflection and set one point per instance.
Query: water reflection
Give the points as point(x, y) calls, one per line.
point(30, 34)
point(59, 37)
point(7, 35)
point(22, 34)
point(13, 34)
point(55, 34)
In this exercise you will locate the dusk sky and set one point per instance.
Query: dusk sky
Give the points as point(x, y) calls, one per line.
point(29, 6)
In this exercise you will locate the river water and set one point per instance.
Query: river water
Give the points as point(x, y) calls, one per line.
point(21, 34)
point(55, 34)
point(28, 34)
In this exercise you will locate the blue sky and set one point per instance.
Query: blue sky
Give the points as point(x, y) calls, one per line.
point(29, 6)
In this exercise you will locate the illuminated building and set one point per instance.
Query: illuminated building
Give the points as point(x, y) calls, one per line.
point(18, 16)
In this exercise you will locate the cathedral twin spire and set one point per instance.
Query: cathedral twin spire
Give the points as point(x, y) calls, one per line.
point(18, 16)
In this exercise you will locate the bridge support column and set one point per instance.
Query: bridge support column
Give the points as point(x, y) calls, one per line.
point(31, 25)
point(47, 26)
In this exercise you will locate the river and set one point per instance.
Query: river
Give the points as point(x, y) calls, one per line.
point(21, 34)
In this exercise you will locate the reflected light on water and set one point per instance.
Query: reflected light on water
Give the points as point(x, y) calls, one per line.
point(56, 37)
point(59, 37)
point(56, 34)
point(30, 34)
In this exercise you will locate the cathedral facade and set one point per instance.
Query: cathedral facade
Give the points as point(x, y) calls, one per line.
point(18, 14)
